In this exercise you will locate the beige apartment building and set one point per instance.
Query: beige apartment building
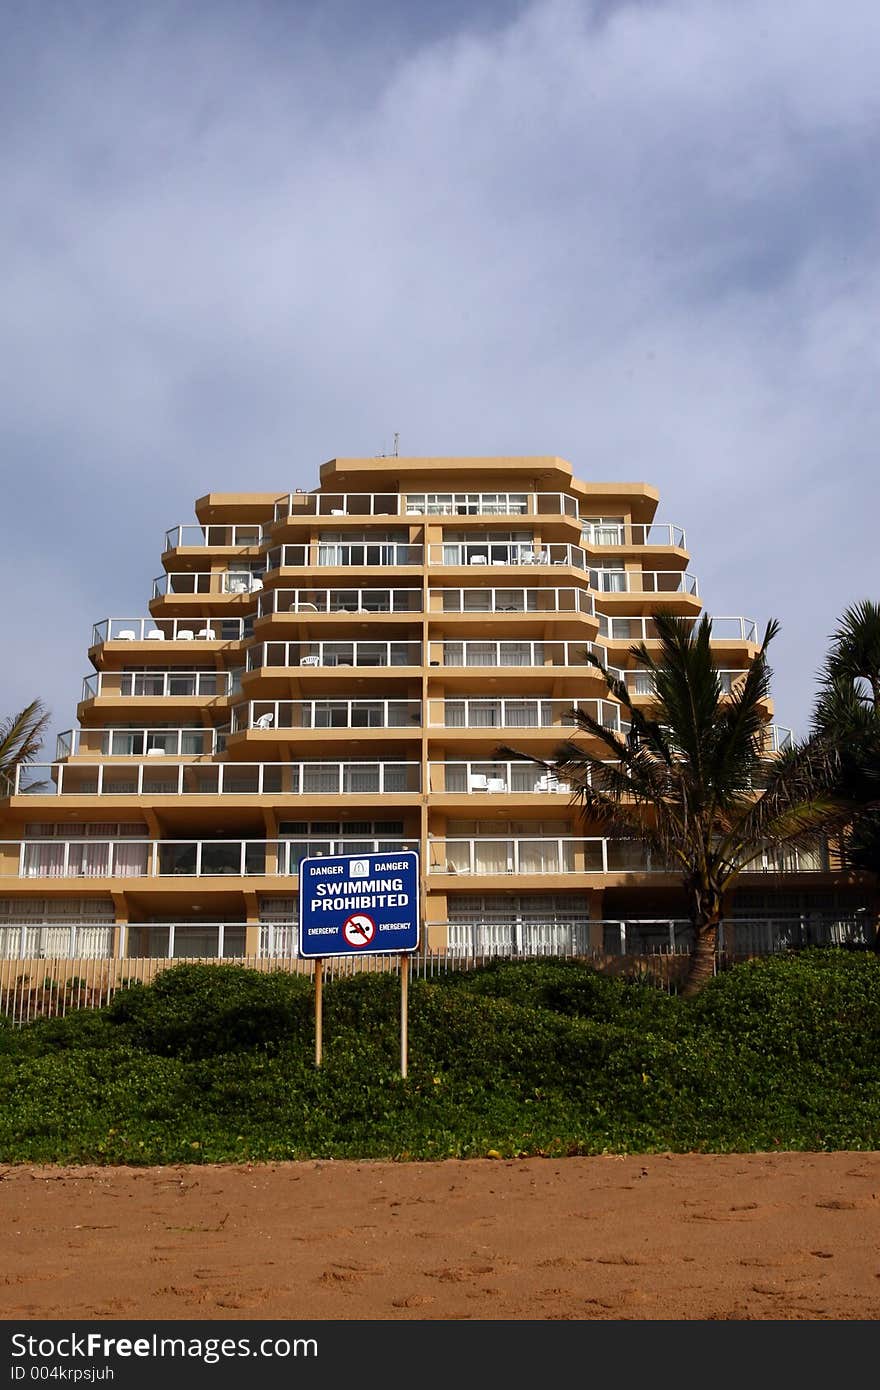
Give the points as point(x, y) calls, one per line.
point(333, 672)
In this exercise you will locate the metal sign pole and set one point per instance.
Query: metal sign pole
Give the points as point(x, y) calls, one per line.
point(404, 1014)
point(319, 1012)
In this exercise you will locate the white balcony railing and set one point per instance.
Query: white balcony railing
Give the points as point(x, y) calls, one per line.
point(319, 777)
point(171, 630)
point(491, 776)
point(426, 504)
point(641, 628)
point(490, 504)
point(610, 581)
point(515, 713)
point(327, 714)
point(162, 684)
point(130, 858)
point(217, 537)
point(139, 743)
point(339, 601)
point(513, 653)
point(213, 582)
point(777, 738)
point(541, 854)
point(639, 682)
point(309, 654)
point(381, 554)
point(622, 533)
point(506, 553)
point(523, 855)
point(511, 601)
point(338, 504)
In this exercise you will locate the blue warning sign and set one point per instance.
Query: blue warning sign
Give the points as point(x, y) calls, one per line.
point(360, 904)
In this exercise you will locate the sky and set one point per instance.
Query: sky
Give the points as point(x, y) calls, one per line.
point(241, 237)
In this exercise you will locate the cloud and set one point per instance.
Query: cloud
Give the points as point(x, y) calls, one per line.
point(238, 240)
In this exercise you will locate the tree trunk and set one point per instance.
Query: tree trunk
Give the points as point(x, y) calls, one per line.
point(701, 968)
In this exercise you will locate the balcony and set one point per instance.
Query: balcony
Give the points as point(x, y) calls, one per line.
point(334, 654)
point(506, 553)
point(377, 554)
point(327, 714)
point(519, 714)
point(521, 654)
point(426, 504)
point(160, 684)
point(468, 778)
point(202, 629)
point(641, 628)
point(640, 683)
point(319, 778)
point(490, 504)
point(217, 583)
point(524, 601)
point(305, 504)
point(621, 533)
point(313, 601)
point(643, 582)
point(158, 859)
point(138, 743)
point(214, 537)
point(567, 854)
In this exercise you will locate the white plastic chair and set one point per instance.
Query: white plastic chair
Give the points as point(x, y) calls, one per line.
point(265, 721)
point(155, 634)
point(497, 784)
point(186, 636)
point(207, 634)
point(126, 635)
point(477, 782)
point(310, 661)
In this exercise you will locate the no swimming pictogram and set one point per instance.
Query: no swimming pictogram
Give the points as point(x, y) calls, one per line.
point(359, 929)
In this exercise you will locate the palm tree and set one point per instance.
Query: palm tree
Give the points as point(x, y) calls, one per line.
point(847, 713)
point(21, 738)
point(684, 779)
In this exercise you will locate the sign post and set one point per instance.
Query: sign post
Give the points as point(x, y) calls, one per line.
point(366, 904)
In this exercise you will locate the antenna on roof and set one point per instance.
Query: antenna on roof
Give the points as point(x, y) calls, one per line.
point(396, 444)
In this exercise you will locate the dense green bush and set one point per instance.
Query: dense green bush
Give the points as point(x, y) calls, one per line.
point(211, 1064)
point(201, 1010)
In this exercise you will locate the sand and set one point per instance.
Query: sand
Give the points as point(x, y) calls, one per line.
point(756, 1236)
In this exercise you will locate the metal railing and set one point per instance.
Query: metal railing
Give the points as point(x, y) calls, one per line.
point(324, 654)
point(643, 582)
point(319, 776)
point(517, 653)
point(515, 713)
point(312, 601)
point(640, 628)
point(327, 714)
point(138, 743)
point(162, 684)
point(338, 504)
point(214, 582)
point(640, 682)
point(506, 553)
point(492, 776)
point(565, 854)
point(622, 533)
point(171, 630)
point(511, 601)
point(130, 858)
point(379, 553)
point(240, 537)
point(490, 504)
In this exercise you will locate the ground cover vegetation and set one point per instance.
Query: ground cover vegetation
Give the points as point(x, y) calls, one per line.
point(216, 1063)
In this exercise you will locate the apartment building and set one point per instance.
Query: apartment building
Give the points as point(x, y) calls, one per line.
point(333, 671)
